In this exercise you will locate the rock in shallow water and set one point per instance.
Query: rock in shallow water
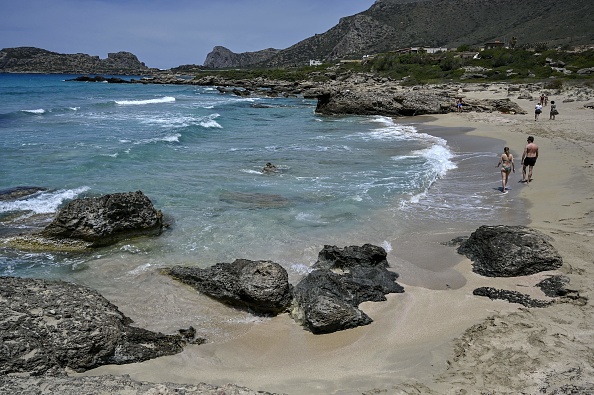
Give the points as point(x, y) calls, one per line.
point(107, 219)
point(259, 286)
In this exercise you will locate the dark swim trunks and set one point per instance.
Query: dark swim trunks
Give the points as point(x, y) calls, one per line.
point(529, 161)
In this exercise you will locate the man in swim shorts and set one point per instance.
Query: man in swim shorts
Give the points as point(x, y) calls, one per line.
point(529, 158)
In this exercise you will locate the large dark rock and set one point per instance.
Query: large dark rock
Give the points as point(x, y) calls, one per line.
point(107, 219)
point(381, 102)
point(19, 192)
point(48, 326)
point(508, 251)
point(327, 299)
point(259, 286)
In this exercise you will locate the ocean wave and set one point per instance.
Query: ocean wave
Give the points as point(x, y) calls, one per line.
point(440, 158)
point(165, 99)
point(43, 203)
point(168, 120)
point(37, 111)
point(170, 138)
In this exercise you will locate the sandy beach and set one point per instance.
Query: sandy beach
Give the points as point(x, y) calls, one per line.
point(437, 338)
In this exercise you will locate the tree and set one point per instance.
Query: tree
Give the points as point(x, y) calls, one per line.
point(513, 42)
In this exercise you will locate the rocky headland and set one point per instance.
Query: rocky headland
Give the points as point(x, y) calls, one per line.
point(37, 60)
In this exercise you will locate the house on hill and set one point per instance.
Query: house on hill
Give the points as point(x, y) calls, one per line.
point(494, 44)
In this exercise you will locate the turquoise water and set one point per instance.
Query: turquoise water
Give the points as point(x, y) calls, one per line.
point(198, 154)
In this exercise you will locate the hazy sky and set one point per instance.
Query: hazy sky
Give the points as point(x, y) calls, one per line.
point(167, 33)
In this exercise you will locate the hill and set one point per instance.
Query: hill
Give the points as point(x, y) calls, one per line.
point(36, 60)
point(393, 24)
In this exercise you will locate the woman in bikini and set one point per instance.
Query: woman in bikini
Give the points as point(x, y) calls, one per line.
point(506, 161)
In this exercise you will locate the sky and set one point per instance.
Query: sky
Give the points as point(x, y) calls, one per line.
point(167, 33)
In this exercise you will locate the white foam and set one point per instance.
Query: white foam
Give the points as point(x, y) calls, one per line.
point(210, 124)
point(300, 268)
point(440, 157)
point(43, 203)
point(387, 246)
point(170, 138)
point(168, 120)
point(166, 99)
point(36, 111)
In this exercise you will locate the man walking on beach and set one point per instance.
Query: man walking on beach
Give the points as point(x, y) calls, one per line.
point(529, 158)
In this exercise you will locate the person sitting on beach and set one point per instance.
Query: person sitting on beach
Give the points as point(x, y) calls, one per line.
point(529, 158)
point(459, 104)
point(269, 168)
point(506, 161)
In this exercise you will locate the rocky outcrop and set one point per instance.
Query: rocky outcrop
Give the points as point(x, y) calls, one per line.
point(101, 385)
point(221, 57)
point(94, 222)
point(374, 102)
point(47, 327)
point(36, 60)
point(100, 78)
point(511, 296)
point(505, 106)
point(259, 286)
point(508, 251)
point(19, 192)
point(107, 219)
point(327, 299)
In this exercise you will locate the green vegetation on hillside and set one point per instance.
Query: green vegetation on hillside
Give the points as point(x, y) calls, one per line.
point(490, 65)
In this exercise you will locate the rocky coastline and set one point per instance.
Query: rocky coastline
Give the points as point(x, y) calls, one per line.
point(51, 328)
point(35, 309)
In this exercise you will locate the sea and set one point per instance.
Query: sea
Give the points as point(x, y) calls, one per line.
point(198, 155)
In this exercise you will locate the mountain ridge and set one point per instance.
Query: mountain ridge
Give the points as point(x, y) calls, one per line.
point(393, 24)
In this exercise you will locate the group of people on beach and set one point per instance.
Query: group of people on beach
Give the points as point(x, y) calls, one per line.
point(543, 103)
point(506, 161)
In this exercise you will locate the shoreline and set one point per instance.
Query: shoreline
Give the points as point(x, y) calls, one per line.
point(437, 337)
point(410, 343)
point(544, 347)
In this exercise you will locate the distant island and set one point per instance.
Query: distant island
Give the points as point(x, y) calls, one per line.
point(37, 60)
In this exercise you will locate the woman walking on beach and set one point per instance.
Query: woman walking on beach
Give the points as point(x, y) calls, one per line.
point(506, 161)
point(553, 110)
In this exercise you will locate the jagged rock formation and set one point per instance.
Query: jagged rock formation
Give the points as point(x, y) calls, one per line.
point(36, 60)
point(47, 327)
point(328, 299)
point(106, 219)
point(221, 57)
point(95, 222)
point(393, 24)
point(325, 301)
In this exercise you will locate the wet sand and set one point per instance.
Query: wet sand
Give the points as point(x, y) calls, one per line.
point(436, 337)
